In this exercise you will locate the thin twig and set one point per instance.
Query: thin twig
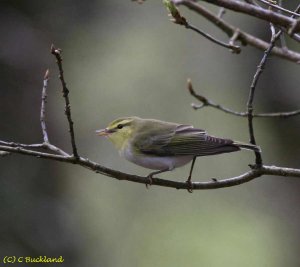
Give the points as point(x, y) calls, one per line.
point(221, 12)
point(257, 74)
point(297, 10)
point(259, 70)
point(214, 184)
point(273, 31)
point(43, 107)
point(14, 144)
point(57, 53)
point(42, 146)
point(177, 18)
point(236, 49)
point(283, 42)
point(287, 114)
point(293, 28)
point(205, 102)
point(295, 36)
point(252, 10)
point(295, 14)
point(46, 143)
point(56, 149)
point(282, 36)
point(243, 37)
point(234, 37)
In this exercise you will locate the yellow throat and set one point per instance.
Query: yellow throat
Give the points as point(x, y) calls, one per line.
point(120, 131)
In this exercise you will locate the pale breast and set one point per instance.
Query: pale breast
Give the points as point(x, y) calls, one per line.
point(155, 163)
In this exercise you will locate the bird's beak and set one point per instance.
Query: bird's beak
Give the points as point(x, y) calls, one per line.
point(103, 132)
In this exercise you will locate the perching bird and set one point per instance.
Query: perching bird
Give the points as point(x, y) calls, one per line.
point(164, 146)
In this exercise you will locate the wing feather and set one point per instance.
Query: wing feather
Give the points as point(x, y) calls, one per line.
point(182, 140)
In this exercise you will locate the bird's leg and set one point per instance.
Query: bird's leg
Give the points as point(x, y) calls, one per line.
point(150, 176)
point(189, 179)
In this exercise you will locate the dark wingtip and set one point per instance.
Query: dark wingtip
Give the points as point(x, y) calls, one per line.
point(248, 146)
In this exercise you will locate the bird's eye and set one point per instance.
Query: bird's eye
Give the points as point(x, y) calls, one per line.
point(120, 126)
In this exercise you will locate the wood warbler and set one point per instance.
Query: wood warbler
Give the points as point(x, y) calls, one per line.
point(164, 146)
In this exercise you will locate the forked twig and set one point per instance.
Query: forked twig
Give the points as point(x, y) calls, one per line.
point(177, 18)
point(253, 10)
point(244, 37)
point(46, 143)
point(205, 102)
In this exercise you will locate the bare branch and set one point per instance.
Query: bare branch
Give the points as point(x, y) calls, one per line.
point(56, 149)
point(297, 10)
point(252, 10)
point(57, 53)
point(273, 31)
point(234, 48)
point(43, 107)
point(287, 114)
point(292, 29)
point(243, 37)
point(282, 36)
point(177, 18)
point(214, 184)
point(205, 102)
point(221, 12)
point(280, 8)
point(257, 74)
point(46, 143)
point(14, 144)
point(42, 146)
point(283, 42)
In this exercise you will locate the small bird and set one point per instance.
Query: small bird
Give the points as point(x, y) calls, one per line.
point(164, 146)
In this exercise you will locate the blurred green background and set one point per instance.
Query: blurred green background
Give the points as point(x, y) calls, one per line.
point(120, 59)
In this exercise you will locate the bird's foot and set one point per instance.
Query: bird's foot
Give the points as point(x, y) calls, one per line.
point(190, 185)
point(149, 182)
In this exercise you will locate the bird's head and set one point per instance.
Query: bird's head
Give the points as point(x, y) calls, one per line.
point(120, 130)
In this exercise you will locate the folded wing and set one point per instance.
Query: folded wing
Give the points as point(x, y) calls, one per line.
point(183, 140)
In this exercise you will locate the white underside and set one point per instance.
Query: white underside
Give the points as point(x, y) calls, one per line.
point(156, 163)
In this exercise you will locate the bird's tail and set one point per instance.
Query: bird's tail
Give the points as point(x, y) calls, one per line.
point(247, 146)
